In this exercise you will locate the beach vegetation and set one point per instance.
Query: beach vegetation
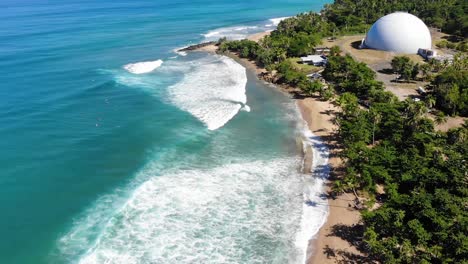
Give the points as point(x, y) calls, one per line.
point(350, 16)
point(289, 75)
point(422, 217)
point(348, 75)
point(407, 69)
point(326, 94)
point(305, 68)
point(311, 87)
point(423, 212)
point(450, 88)
point(460, 45)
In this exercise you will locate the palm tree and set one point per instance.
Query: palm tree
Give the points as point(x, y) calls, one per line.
point(414, 111)
point(440, 118)
point(435, 65)
point(348, 102)
point(430, 101)
point(376, 118)
point(420, 110)
point(425, 70)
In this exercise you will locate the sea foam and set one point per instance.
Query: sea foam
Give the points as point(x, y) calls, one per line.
point(241, 32)
point(213, 90)
point(212, 215)
point(181, 53)
point(143, 67)
point(206, 215)
point(232, 33)
point(275, 21)
point(315, 205)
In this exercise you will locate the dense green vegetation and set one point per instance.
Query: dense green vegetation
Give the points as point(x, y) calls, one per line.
point(460, 46)
point(423, 218)
point(405, 68)
point(450, 88)
point(349, 75)
point(388, 144)
point(299, 35)
point(357, 15)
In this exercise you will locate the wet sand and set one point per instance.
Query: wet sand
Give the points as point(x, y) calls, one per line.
point(326, 246)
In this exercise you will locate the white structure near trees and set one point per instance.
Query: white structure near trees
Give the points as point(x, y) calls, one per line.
point(427, 53)
point(317, 60)
point(398, 32)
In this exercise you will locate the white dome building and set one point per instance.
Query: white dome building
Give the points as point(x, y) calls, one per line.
point(398, 32)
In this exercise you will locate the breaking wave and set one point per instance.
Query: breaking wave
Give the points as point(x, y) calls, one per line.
point(207, 215)
point(215, 215)
point(213, 90)
point(241, 32)
point(275, 21)
point(143, 67)
point(315, 205)
point(233, 33)
point(181, 53)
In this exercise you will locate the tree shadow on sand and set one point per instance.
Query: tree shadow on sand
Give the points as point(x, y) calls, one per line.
point(345, 257)
point(387, 71)
point(353, 235)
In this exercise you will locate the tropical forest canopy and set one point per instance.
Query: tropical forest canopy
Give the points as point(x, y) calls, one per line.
point(423, 216)
point(448, 15)
point(423, 213)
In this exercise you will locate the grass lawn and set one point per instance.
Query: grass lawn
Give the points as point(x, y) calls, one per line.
point(305, 68)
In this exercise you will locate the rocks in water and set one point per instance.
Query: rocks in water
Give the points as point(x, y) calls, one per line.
point(198, 46)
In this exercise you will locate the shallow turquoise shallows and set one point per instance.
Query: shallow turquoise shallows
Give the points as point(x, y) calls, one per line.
point(117, 149)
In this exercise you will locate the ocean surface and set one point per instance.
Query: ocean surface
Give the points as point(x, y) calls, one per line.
point(117, 149)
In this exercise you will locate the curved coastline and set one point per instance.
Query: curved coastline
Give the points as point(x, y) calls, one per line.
point(319, 129)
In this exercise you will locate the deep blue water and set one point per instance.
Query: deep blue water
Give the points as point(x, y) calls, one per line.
point(99, 163)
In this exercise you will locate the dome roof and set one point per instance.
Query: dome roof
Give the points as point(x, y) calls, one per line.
point(399, 32)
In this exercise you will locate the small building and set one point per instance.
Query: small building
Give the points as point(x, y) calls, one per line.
point(427, 53)
point(322, 51)
point(316, 60)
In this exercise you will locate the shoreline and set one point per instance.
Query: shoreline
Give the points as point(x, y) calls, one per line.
point(319, 116)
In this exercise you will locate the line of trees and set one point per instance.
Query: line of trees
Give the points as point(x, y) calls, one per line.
point(450, 87)
point(423, 217)
point(460, 46)
point(356, 15)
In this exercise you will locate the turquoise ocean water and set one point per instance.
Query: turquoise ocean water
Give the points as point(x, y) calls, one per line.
point(116, 149)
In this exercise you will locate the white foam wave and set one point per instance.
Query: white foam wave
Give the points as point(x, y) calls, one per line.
point(181, 53)
point(213, 91)
point(275, 21)
point(242, 32)
point(315, 206)
point(216, 215)
point(143, 67)
point(239, 212)
point(232, 33)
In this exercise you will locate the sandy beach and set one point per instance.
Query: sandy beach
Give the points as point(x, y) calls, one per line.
point(329, 245)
